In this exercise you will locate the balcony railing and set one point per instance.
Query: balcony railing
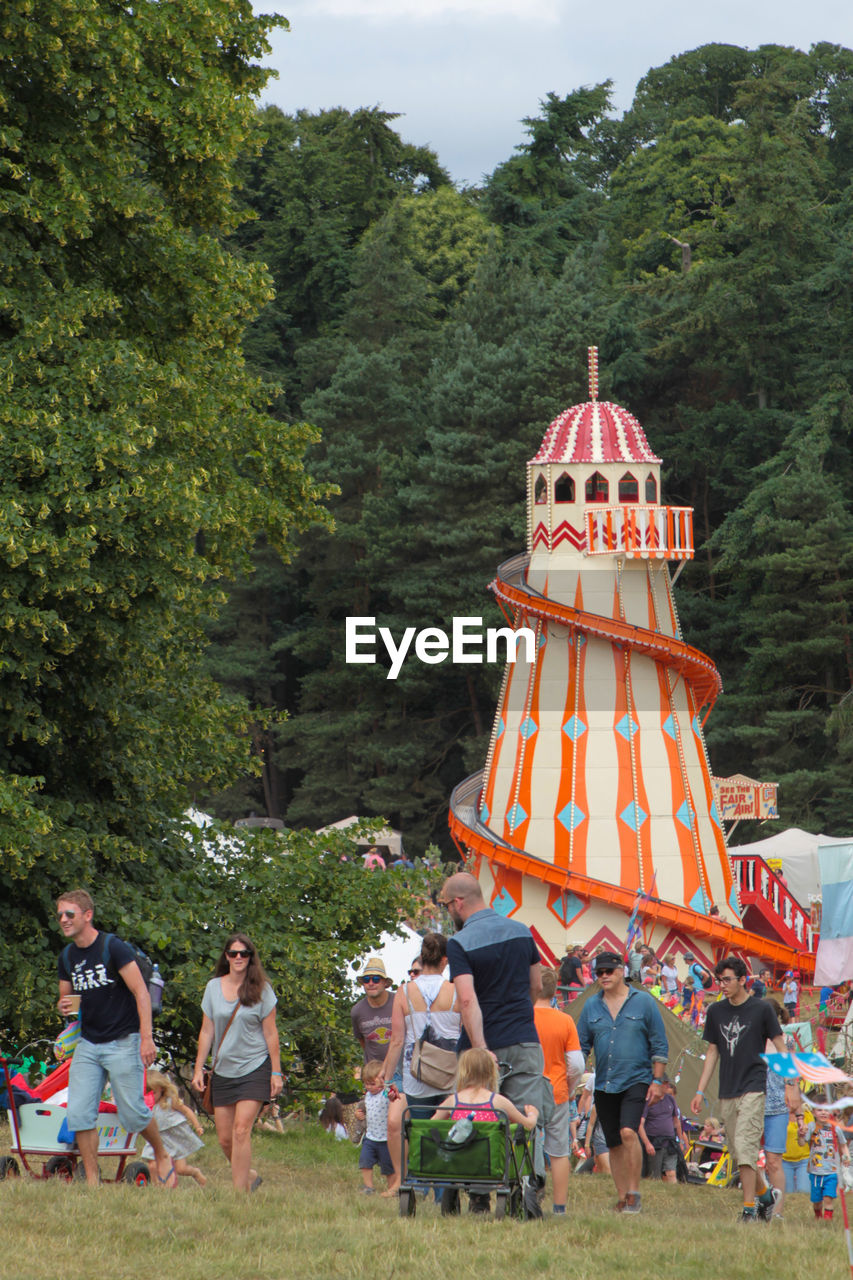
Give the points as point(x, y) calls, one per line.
point(759, 885)
point(640, 532)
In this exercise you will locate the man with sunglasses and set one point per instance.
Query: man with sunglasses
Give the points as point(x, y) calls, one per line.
point(497, 972)
point(371, 1015)
point(116, 1040)
point(624, 1026)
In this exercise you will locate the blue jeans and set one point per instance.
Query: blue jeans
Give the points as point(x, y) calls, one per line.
point(92, 1064)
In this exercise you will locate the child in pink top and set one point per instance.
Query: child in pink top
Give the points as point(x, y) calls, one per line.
point(476, 1085)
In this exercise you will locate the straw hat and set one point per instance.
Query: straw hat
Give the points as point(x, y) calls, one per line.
point(375, 968)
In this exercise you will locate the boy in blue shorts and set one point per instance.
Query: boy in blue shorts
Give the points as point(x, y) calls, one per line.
point(823, 1162)
point(374, 1148)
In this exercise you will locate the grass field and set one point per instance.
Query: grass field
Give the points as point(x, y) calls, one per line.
point(308, 1221)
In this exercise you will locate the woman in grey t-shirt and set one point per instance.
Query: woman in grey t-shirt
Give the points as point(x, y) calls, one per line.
point(239, 1025)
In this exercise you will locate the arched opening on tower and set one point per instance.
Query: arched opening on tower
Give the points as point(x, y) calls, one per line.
point(651, 488)
point(540, 490)
point(629, 488)
point(564, 489)
point(597, 489)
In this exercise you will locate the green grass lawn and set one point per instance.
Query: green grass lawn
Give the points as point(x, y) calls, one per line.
point(308, 1220)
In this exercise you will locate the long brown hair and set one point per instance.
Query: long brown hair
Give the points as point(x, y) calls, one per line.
point(255, 980)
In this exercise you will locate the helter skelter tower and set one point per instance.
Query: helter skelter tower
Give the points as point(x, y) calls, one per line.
point(597, 790)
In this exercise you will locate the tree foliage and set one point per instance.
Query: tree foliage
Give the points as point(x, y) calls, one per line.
point(138, 461)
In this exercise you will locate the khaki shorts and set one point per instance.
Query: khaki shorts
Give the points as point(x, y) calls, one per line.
point(743, 1120)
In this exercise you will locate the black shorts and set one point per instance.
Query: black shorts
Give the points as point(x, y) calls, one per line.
point(617, 1111)
point(228, 1090)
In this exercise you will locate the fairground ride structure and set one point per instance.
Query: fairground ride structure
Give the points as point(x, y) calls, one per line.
point(596, 800)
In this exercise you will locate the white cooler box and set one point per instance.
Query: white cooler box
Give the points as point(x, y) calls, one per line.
point(40, 1123)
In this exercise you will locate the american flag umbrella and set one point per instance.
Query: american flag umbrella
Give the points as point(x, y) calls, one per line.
point(811, 1066)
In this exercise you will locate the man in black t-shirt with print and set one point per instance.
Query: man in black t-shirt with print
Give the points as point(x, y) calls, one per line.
point(116, 1040)
point(737, 1029)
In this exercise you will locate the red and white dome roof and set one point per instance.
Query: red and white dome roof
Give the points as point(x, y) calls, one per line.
point(597, 431)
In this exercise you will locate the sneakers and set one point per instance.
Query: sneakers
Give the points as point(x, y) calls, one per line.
point(632, 1203)
point(767, 1202)
point(748, 1216)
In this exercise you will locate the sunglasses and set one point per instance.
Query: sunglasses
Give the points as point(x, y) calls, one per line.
point(239, 955)
point(66, 915)
point(413, 973)
point(604, 971)
point(370, 979)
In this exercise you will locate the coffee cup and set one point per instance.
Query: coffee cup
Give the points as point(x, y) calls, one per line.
point(73, 1005)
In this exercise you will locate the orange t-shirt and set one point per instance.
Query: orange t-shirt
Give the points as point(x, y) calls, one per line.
point(558, 1036)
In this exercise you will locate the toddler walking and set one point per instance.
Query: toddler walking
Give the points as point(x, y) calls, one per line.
point(823, 1162)
point(174, 1120)
point(374, 1148)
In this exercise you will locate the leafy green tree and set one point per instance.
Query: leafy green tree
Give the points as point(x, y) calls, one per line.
point(787, 552)
point(319, 181)
point(137, 459)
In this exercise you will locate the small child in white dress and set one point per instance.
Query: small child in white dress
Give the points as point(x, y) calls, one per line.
point(174, 1120)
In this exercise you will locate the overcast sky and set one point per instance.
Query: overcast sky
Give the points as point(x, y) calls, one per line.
point(463, 73)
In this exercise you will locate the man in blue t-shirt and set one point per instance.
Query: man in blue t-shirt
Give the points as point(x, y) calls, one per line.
point(497, 973)
point(116, 1039)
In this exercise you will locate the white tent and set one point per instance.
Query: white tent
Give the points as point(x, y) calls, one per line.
point(798, 852)
point(388, 841)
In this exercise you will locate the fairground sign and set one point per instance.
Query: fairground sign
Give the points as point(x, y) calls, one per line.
point(740, 797)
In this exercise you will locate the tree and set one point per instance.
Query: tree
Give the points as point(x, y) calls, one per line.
point(789, 551)
point(137, 459)
point(320, 180)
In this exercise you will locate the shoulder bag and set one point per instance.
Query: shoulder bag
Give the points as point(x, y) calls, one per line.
point(207, 1095)
point(433, 1059)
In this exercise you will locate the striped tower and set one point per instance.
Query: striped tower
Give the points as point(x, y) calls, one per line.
point(596, 791)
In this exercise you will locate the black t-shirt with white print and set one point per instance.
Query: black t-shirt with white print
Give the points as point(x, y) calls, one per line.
point(107, 1007)
point(741, 1032)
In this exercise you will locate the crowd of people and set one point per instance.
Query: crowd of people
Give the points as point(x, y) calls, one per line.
point(477, 1024)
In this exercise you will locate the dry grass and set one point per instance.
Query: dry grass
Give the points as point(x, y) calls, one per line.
point(308, 1221)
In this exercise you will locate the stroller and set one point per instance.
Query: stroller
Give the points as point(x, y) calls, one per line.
point(710, 1162)
point(495, 1157)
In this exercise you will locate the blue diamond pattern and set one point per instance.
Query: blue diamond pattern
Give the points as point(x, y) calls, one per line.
point(697, 726)
point(504, 903)
point(572, 905)
point(501, 727)
point(685, 816)
point(715, 814)
point(528, 727)
point(733, 902)
point(627, 727)
point(516, 816)
point(633, 817)
point(670, 729)
point(699, 902)
point(484, 813)
point(571, 817)
point(574, 728)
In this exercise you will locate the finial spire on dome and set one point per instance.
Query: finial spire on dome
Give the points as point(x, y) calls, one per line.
point(592, 353)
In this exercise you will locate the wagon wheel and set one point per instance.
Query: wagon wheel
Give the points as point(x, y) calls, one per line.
point(137, 1174)
point(450, 1201)
point(407, 1203)
point(9, 1168)
point(59, 1167)
point(501, 1205)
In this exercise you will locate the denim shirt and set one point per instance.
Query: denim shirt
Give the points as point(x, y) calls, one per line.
point(625, 1047)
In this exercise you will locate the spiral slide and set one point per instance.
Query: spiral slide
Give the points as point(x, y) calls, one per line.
point(476, 838)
